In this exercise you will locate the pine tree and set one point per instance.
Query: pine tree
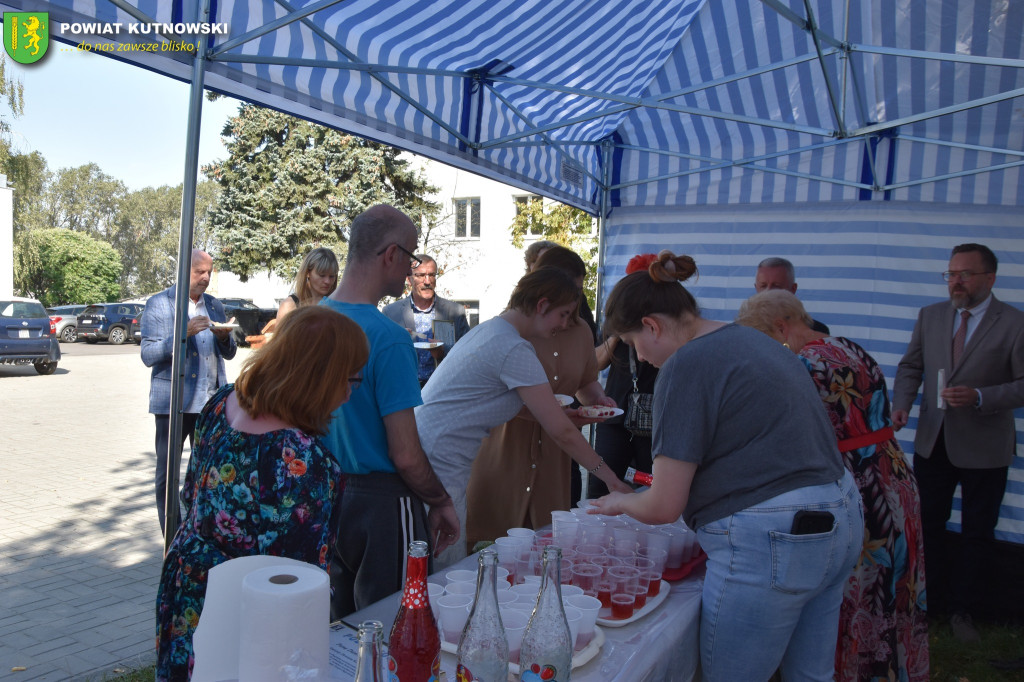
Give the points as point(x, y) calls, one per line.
point(289, 186)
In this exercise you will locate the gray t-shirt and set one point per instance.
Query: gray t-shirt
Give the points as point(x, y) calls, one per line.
point(470, 393)
point(743, 408)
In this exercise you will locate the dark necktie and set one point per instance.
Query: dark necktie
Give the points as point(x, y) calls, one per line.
point(960, 337)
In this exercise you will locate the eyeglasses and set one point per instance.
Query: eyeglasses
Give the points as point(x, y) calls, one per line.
point(414, 262)
point(424, 275)
point(962, 275)
point(355, 381)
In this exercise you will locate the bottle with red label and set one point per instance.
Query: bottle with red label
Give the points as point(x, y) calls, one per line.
point(414, 649)
point(638, 477)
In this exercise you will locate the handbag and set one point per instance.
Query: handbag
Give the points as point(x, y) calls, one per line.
point(639, 419)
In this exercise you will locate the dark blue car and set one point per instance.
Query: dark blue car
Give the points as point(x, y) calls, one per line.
point(107, 321)
point(27, 335)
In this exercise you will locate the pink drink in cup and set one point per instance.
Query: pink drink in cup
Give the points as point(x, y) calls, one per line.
point(622, 606)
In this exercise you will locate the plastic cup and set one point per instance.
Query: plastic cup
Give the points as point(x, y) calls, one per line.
point(574, 616)
point(622, 606)
point(503, 578)
point(508, 549)
point(627, 557)
point(586, 577)
point(592, 531)
point(461, 588)
point(624, 538)
point(624, 581)
point(507, 597)
point(524, 606)
point(460, 575)
point(515, 622)
point(570, 590)
point(565, 575)
point(586, 552)
point(588, 607)
point(453, 612)
point(658, 559)
point(677, 545)
point(528, 566)
point(525, 592)
point(434, 591)
point(565, 529)
point(657, 539)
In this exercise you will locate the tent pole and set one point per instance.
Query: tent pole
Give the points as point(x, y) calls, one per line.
point(188, 210)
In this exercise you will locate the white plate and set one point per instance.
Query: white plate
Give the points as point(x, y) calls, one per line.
point(427, 345)
point(578, 657)
point(652, 603)
point(614, 411)
point(563, 399)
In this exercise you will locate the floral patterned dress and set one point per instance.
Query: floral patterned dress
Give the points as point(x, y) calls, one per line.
point(883, 630)
point(244, 494)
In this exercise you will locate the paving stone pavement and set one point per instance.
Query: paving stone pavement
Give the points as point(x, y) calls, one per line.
point(80, 546)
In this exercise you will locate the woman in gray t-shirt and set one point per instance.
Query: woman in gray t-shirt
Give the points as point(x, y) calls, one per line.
point(488, 376)
point(742, 448)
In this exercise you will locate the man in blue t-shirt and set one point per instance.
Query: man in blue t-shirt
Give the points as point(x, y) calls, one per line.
point(373, 436)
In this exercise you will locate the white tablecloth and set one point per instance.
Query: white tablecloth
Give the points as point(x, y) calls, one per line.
point(661, 647)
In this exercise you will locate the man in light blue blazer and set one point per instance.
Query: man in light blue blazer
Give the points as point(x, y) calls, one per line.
point(207, 348)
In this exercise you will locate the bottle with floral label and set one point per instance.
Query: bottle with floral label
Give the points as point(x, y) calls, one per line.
point(414, 648)
point(546, 652)
point(483, 648)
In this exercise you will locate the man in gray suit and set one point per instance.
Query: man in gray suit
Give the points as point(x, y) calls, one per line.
point(204, 360)
point(969, 354)
point(421, 308)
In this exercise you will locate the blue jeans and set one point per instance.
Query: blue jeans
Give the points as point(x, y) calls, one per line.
point(771, 599)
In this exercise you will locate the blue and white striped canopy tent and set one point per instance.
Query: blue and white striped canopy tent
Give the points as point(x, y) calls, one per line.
point(860, 139)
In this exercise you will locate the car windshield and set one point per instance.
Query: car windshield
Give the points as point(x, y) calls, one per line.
point(22, 309)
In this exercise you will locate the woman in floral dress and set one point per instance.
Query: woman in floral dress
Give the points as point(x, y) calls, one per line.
point(259, 480)
point(883, 629)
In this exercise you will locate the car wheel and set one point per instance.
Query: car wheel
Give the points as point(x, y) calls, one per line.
point(69, 334)
point(45, 367)
point(117, 336)
point(88, 340)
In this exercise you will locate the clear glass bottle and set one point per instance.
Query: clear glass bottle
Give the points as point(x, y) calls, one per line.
point(483, 647)
point(370, 666)
point(414, 648)
point(546, 652)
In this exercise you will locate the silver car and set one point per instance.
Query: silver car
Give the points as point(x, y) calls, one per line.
point(65, 318)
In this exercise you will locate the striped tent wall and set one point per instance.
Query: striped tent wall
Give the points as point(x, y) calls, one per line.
point(863, 268)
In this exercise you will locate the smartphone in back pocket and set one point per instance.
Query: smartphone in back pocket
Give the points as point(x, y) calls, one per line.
point(807, 522)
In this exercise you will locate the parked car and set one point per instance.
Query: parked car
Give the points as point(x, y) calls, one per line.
point(27, 335)
point(250, 317)
point(66, 319)
point(135, 328)
point(107, 321)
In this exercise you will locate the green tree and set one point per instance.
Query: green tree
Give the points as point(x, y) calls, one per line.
point(84, 199)
point(29, 175)
point(289, 185)
point(568, 226)
point(61, 266)
point(13, 93)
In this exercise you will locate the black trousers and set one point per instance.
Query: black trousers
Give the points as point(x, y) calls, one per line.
point(163, 432)
point(956, 580)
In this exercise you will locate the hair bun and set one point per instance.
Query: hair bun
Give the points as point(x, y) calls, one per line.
point(672, 268)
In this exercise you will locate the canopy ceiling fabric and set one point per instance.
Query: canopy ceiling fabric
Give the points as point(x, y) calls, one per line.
point(664, 102)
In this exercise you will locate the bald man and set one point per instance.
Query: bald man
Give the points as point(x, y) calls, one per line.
point(207, 348)
point(373, 436)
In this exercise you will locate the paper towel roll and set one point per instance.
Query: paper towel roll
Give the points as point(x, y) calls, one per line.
point(285, 625)
point(216, 639)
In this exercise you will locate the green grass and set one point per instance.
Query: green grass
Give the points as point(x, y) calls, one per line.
point(951, 661)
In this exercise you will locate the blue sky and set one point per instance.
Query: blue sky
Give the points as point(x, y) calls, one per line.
point(82, 107)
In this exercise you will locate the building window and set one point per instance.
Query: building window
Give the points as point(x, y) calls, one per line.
point(467, 218)
point(472, 312)
point(521, 204)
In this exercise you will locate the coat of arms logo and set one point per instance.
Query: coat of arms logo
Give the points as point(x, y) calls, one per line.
point(26, 35)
